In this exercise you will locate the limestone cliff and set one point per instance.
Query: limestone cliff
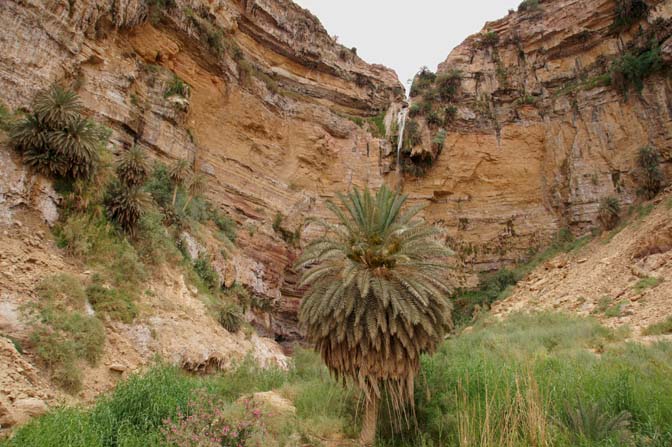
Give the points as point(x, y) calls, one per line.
point(278, 114)
point(536, 130)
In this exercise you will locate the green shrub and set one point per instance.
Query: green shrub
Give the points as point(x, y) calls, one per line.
point(62, 335)
point(528, 5)
point(55, 139)
point(177, 87)
point(629, 12)
point(231, 317)
point(490, 39)
point(414, 110)
point(434, 120)
point(422, 81)
point(589, 422)
point(609, 213)
point(631, 69)
point(203, 268)
point(114, 303)
point(647, 283)
point(450, 113)
point(126, 205)
point(649, 173)
point(225, 224)
point(439, 139)
point(448, 83)
point(664, 327)
point(133, 167)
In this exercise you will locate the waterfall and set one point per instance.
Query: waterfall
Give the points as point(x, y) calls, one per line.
point(401, 120)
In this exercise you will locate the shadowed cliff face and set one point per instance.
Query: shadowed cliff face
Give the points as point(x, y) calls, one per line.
point(535, 136)
point(278, 114)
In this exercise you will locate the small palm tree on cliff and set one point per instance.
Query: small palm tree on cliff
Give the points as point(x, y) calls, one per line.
point(377, 299)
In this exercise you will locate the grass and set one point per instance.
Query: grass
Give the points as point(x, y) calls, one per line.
point(499, 285)
point(523, 381)
point(664, 327)
point(646, 283)
point(63, 335)
point(113, 303)
point(512, 383)
point(134, 413)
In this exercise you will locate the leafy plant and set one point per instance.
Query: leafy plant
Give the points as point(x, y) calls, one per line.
point(114, 303)
point(647, 283)
point(629, 12)
point(177, 87)
point(439, 139)
point(434, 120)
point(490, 39)
point(55, 139)
point(664, 327)
point(376, 299)
point(203, 267)
point(631, 69)
point(448, 83)
point(126, 206)
point(528, 5)
point(650, 175)
point(589, 422)
point(133, 167)
point(231, 317)
point(609, 213)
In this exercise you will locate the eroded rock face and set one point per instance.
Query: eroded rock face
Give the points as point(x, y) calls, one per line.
point(538, 139)
point(268, 118)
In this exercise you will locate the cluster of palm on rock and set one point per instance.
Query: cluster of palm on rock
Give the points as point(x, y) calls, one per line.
point(56, 140)
point(377, 298)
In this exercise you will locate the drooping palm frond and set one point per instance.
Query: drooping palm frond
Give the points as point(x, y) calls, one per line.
point(125, 206)
point(588, 422)
point(78, 144)
point(57, 107)
point(45, 161)
point(377, 296)
point(133, 167)
point(30, 132)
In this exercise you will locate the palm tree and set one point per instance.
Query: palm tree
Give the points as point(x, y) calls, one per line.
point(126, 205)
point(179, 172)
point(56, 139)
point(195, 187)
point(377, 297)
point(133, 167)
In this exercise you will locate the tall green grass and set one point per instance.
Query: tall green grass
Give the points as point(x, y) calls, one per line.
point(514, 382)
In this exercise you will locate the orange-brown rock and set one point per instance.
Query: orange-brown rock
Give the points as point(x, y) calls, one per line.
point(538, 139)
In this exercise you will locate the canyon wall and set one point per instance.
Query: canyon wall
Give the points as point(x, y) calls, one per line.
point(278, 114)
point(538, 133)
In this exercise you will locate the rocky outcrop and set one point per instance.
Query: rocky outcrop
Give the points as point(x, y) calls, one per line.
point(270, 116)
point(535, 135)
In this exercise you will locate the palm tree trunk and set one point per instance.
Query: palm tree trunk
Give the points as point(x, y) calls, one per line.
point(186, 204)
point(174, 195)
point(368, 435)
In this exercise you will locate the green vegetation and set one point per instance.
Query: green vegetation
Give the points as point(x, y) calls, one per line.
point(231, 317)
point(114, 303)
point(62, 334)
point(628, 13)
point(649, 173)
point(448, 83)
point(490, 39)
point(55, 139)
point(529, 380)
point(133, 167)
point(142, 411)
point(523, 381)
point(528, 5)
point(609, 213)
point(126, 205)
point(379, 264)
point(497, 286)
point(630, 70)
point(203, 267)
point(647, 283)
point(664, 327)
point(177, 87)
point(422, 81)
